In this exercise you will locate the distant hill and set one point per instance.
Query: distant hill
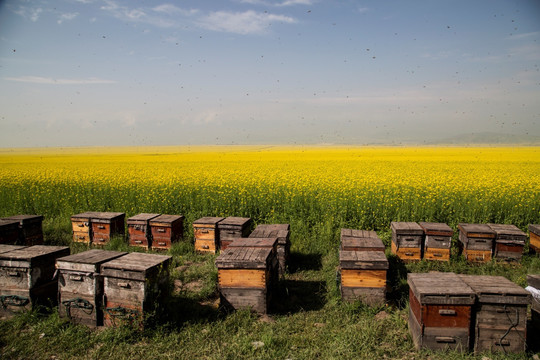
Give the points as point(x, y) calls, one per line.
point(489, 138)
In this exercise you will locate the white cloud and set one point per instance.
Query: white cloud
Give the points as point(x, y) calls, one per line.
point(52, 81)
point(29, 13)
point(523, 36)
point(67, 17)
point(173, 9)
point(248, 22)
point(282, 3)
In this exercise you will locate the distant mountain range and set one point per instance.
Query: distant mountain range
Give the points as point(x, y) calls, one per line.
point(489, 138)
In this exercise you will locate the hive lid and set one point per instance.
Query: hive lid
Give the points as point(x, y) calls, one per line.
point(441, 229)
point(244, 258)
point(143, 217)
point(234, 222)
point(4, 248)
point(84, 216)
point(508, 232)
point(373, 243)
point(477, 230)
point(273, 227)
point(496, 290)
point(368, 260)
point(441, 288)
point(408, 228)
point(166, 219)
point(9, 223)
point(535, 229)
point(279, 231)
point(208, 220)
point(90, 260)
point(34, 253)
point(23, 219)
point(134, 265)
point(254, 242)
point(359, 233)
point(106, 216)
point(534, 281)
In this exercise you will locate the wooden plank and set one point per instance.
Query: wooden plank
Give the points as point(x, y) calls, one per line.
point(406, 254)
point(440, 288)
point(438, 242)
point(534, 229)
point(534, 242)
point(478, 256)
point(363, 278)
point(477, 230)
point(496, 290)
point(242, 278)
point(371, 296)
point(508, 232)
point(374, 260)
point(436, 229)
point(94, 258)
point(407, 228)
point(253, 299)
point(436, 254)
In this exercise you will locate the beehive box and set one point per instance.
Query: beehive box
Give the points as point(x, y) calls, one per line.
point(534, 237)
point(440, 310)
point(30, 229)
point(81, 225)
point(282, 233)
point(26, 277)
point(139, 230)
point(509, 242)
point(437, 240)
point(133, 285)
point(363, 276)
point(407, 240)
point(500, 314)
point(245, 278)
point(166, 230)
point(476, 242)
point(533, 282)
point(80, 286)
point(360, 240)
point(9, 231)
point(105, 225)
point(206, 234)
point(231, 228)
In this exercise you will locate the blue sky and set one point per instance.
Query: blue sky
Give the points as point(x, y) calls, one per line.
point(126, 72)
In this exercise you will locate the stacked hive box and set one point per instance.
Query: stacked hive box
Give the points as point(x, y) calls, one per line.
point(476, 242)
point(30, 229)
point(533, 282)
point(363, 276)
point(281, 232)
point(440, 309)
point(82, 228)
point(105, 225)
point(166, 230)
point(268, 243)
point(360, 240)
point(534, 237)
point(9, 231)
point(26, 277)
point(231, 228)
point(407, 240)
point(500, 314)
point(80, 286)
point(206, 233)
point(438, 241)
point(509, 241)
point(139, 230)
point(246, 277)
point(133, 285)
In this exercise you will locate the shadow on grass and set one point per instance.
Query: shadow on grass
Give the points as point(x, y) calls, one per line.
point(299, 295)
point(180, 309)
point(398, 292)
point(299, 261)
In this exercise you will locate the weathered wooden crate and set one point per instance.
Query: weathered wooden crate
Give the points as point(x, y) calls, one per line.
point(80, 286)
point(105, 225)
point(509, 242)
point(499, 314)
point(166, 230)
point(231, 228)
point(30, 229)
point(407, 240)
point(437, 240)
point(476, 242)
point(282, 233)
point(134, 285)
point(9, 231)
point(26, 277)
point(534, 237)
point(245, 278)
point(440, 310)
point(360, 240)
point(206, 233)
point(81, 225)
point(363, 276)
point(533, 282)
point(139, 230)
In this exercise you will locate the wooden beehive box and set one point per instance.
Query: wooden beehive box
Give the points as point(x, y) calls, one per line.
point(476, 242)
point(534, 237)
point(30, 229)
point(139, 230)
point(282, 233)
point(440, 310)
point(133, 285)
point(26, 277)
point(407, 240)
point(499, 315)
point(206, 234)
point(105, 225)
point(533, 282)
point(81, 225)
point(360, 240)
point(166, 230)
point(231, 228)
point(9, 231)
point(80, 286)
point(437, 240)
point(509, 242)
point(363, 276)
point(245, 278)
